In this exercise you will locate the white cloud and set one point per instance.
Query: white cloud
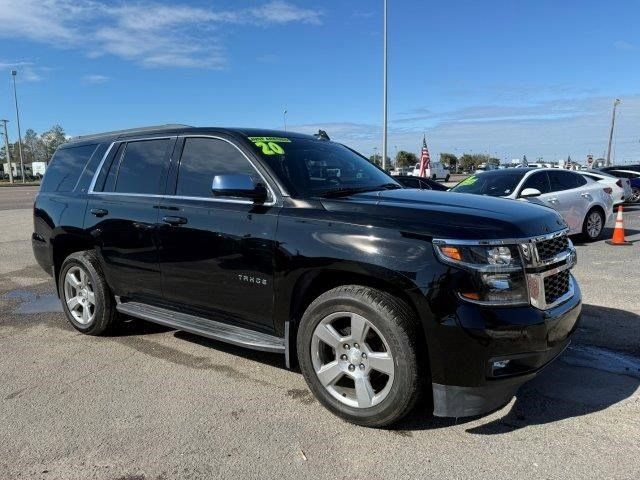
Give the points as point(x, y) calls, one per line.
point(551, 130)
point(149, 32)
point(95, 79)
point(623, 45)
point(27, 71)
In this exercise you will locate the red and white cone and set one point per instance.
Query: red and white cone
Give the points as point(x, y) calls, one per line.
point(618, 231)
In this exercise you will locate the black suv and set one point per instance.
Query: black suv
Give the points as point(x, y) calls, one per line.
point(295, 244)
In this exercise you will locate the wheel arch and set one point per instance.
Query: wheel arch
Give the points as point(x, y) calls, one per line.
point(314, 283)
point(63, 245)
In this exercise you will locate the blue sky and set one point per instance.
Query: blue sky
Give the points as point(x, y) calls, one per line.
point(501, 77)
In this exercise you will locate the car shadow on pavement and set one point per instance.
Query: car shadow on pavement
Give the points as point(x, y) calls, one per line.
point(600, 369)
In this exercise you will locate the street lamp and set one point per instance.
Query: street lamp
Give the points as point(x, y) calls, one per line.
point(384, 89)
point(15, 97)
point(616, 102)
point(284, 119)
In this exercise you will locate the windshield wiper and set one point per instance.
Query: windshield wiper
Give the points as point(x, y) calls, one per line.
point(346, 191)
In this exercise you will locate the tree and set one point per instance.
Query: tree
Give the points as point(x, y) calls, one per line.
point(406, 159)
point(493, 161)
point(377, 160)
point(52, 139)
point(470, 161)
point(449, 160)
point(33, 147)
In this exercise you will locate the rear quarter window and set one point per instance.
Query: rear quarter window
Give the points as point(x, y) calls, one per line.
point(65, 168)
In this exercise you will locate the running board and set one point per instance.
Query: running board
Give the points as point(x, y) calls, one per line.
point(223, 332)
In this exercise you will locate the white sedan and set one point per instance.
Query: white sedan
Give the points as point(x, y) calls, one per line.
point(621, 187)
point(585, 204)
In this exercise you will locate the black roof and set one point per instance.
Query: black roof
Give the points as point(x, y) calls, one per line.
point(176, 129)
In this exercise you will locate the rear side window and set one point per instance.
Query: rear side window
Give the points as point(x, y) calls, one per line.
point(141, 167)
point(563, 181)
point(204, 158)
point(65, 168)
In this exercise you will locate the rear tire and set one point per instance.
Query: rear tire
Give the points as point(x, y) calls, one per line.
point(357, 349)
point(635, 195)
point(593, 225)
point(86, 298)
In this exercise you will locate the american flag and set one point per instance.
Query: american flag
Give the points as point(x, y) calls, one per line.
point(425, 160)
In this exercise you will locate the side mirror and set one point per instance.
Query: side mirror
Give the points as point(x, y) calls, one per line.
point(530, 193)
point(238, 186)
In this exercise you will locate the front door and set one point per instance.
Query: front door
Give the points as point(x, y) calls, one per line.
point(216, 254)
point(122, 216)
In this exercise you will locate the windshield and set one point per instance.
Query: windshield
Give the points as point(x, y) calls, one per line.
point(498, 183)
point(310, 168)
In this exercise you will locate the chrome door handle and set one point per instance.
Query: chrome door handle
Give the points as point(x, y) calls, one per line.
point(553, 200)
point(586, 195)
point(175, 221)
point(99, 212)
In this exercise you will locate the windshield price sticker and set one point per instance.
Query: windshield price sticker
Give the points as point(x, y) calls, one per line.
point(469, 181)
point(270, 145)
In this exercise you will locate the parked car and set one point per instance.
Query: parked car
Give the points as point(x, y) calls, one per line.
point(435, 171)
point(584, 204)
point(409, 181)
point(621, 187)
point(634, 181)
point(294, 244)
point(633, 167)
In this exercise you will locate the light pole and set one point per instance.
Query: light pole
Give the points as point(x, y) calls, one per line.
point(284, 119)
point(616, 102)
point(6, 146)
point(384, 88)
point(15, 97)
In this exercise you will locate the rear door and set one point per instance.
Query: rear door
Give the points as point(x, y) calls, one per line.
point(567, 197)
point(122, 215)
point(217, 259)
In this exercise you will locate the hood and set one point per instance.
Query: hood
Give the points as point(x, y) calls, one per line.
point(448, 214)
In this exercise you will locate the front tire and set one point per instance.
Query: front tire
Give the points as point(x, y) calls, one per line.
point(357, 349)
point(593, 225)
point(86, 298)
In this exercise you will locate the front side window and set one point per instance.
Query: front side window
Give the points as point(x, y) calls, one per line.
point(142, 167)
point(311, 167)
point(539, 181)
point(204, 158)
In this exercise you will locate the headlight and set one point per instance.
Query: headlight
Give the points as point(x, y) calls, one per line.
point(497, 274)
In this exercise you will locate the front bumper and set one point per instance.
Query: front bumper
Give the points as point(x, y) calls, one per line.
point(464, 380)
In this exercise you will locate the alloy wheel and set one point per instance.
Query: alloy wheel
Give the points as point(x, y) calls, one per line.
point(352, 360)
point(79, 295)
point(635, 195)
point(594, 224)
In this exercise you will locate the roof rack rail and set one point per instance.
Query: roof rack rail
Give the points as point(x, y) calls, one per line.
point(130, 131)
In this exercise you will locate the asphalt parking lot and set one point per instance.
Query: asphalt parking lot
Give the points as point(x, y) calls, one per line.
point(152, 403)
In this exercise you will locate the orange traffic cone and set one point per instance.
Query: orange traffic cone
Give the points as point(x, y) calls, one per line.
point(618, 231)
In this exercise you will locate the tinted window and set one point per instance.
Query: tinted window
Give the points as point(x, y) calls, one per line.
point(580, 180)
point(539, 181)
point(410, 182)
point(65, 168)
point(496, 183)
point(142, 167)
point(309, 167)
point(563, 181)
point(204, 158)
point(110, 182)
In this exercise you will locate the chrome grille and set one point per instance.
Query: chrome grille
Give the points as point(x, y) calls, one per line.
point(548, 249)
point(555, 286)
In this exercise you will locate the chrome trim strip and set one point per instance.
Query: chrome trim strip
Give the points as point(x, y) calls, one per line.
point(508, 241)
point(180, 197)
